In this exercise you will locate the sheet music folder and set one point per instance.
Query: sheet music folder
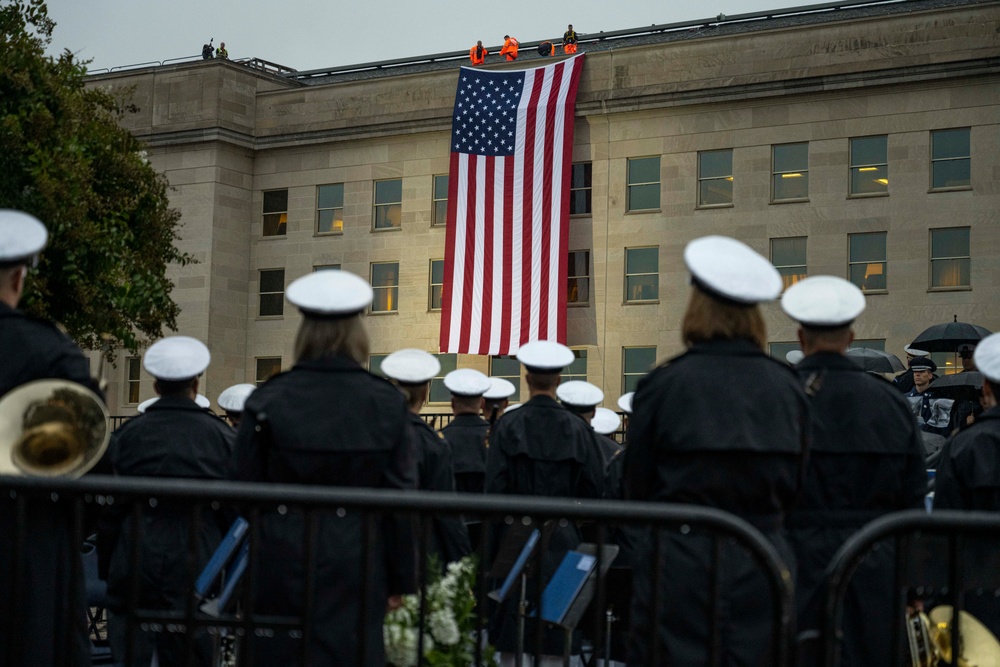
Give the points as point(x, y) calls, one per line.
point(222, 556)
point(571, 587)
point(516, 548)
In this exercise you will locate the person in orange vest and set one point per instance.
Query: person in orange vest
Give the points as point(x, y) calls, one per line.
point(509, 48)
point(569, 40)
point(546, 49)
point(478, 53)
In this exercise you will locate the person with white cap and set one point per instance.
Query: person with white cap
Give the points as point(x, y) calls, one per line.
point(46, 625)
point(174, 438)
point(933, 413)
point(968, 478)
point(582, 398)
point(232, 399)
point(721, 425)
point(866, 459)
point(412, 370)
point(904, 381)
point(497, 398)
point(606, 423)
point(329, 422)
point(467, 431)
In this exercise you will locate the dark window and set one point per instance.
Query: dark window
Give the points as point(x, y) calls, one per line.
point(789, 172)
point(576, 370)
point(870, 343)
point(439, 212)
point(644, 183)
point(330, 208)
point(642, 274)
point(266, 367)
point(951, 162)
point(580, 188)
point(779, 350)
point(869, 165)
point(636, 362)
point(272, 292)
point(789, 257)
point(578, 277)
point(275, 212)
point(436, 286)
point(950, 257)
point(388, 204)
point(132, 379)
point(439, 393)
point(326, 267)
point(508, 368)
point(715, 177)
point(375, 364)
point(866, 261)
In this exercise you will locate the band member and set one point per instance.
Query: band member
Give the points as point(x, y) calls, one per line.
point(497, 398)
point(582, 398)
point(232, 399)
point(466, 433)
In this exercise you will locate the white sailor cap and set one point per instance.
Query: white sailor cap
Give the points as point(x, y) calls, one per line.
point(579, 394)
point(605, 421)
point(22, 236)
point(499, 389)
point(794, 356)
point(545, 356)
point(914, 352)
point(176, 358)
point(987, 357)
point(731, 270)
point(200, 401)
point(330, 294)
point(232, 399)
point(625, 402)
point(410, 366)
point(466, 382)
point(823, 302)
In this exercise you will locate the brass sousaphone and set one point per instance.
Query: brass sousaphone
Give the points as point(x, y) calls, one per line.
point(930, 640)
point(52, 428)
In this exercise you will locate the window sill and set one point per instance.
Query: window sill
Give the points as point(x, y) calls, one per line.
point(575, 216)
point(960, 188)
point(264, 318)
point(868, 195)
point(646, 302)
point(387, 229)
point(273, 237)
point(440, 225)
point(708, 207)
point(383, 312)
point(801, 200)
point(874, 292)
point(957, 288)
point(644, 211)
point(328, 233)
point(434, 310)
point(578, 304)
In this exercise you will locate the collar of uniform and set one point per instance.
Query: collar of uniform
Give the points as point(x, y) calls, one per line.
point(330, 363)
point(736, 347)
point(468, 419)
point(419, 422)
point(174, 403)
point(829, 361)
point(992, 413)
point(543, 401)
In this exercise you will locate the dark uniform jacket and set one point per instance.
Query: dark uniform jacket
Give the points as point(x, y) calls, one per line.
point(36, 350)
point(329, 422)
point(865, 459)
point(467, 436)
point(609, 449)
point(449, 538)
point(722, 425)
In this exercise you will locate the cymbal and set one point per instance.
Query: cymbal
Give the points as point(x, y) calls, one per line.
point(980, 647)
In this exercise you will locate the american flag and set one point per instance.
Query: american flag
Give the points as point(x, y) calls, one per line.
point(508, 208)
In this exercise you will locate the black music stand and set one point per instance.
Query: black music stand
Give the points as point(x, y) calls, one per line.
point(512, 564)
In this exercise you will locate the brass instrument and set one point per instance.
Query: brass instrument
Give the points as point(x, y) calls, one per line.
point(52, 428)
point(929, 638)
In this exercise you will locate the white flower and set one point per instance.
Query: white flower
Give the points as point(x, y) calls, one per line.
point(444, 628)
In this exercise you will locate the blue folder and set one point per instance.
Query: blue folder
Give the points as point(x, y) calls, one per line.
point(567, 582)
point(223, 554)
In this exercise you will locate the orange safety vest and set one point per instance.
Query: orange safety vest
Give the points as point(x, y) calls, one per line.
point(509, 49)
point(477, 57)
point(569, 48)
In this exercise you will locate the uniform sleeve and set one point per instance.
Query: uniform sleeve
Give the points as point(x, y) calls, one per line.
point(399, 531)
point(948, 491)
point(639, 464)
point(496, 463)
point(592, 476)
point(250, 449)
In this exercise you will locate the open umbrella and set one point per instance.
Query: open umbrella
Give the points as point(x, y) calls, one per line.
point(947, 337)
point(875, 361)
point(964, 386)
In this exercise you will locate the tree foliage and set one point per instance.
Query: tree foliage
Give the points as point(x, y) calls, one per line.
point(65, 159)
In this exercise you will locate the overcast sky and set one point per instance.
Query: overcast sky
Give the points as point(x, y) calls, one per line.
point(311, 34)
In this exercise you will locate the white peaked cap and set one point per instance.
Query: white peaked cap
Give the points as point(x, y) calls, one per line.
point(466, 382)
point(987, 357)
point(330, 294)
point(914, 352)
point(579, 394)
point(625, 402)
point(499, 389)
point(232, 399)
point(545, 356)
point(605, 421)
point(410, 366)
point(730, 269)
point(176, 358)
point(21, 235)
point(823, 301)
point(794, 356)
point(200, 401)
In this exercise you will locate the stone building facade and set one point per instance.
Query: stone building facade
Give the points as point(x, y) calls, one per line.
point(862, 143)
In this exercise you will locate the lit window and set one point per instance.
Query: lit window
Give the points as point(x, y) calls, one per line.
point(132, 366)
point(266, 367)
point(326, 267)
point(951, 162)
point(275, 212)
point(439, 202)
point(580, 188)
point(789, 257)
point(715, 178)
point(508, 368)
point(636, 362)
point(577, 370)
point(272, 292)
point(866, 261)
point(790, 172)
point(644, 184)
point(330, 209)
point(642, 274)
point(439, 393)
point(385, 284)
point(578, 277)
point(950, 257)
point(948, 363)
point(436, 287)
point(780, 350)
point(869, 165)
point(388, 204)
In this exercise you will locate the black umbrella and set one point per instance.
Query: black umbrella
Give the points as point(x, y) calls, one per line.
point(875, 361)
point(964, 386)
point(947, 337)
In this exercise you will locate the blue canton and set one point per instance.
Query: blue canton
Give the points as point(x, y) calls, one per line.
point(485, 120)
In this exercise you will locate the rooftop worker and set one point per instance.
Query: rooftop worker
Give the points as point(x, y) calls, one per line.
point(569, 40)
point(46, 625)
point(546, 49)
point(478, 53)
point(722, 425)
point(232, 399)
point(221, 51)
point(497, 399)
point(467, 432)
point(175, 438)
point(582, 398)
point(509, 49)
point(412, 370)
point(865, 459)
point(329, 422)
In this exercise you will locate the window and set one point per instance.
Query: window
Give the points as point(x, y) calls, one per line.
point(642, 274)
point(870, 343)
point(132, 366)
point(439, 202)
point(790, 172)
point(385, 283)
point(580, 188)
point(330, 209)
point(375, 364)
point(789, 257)
point(266, 367)
point(869, 165)
point(272, 292)
point(644, 184)
point(951, 162)
point(578, 278)
point(436, 284)
point(508, 368)
point(388, 204)
point(275, 212)
point(636, 362)
point(439, 393)
point(780, 350)
point(950, 257)
point(715, 178)
point(577, 370)
point(866, 261)
point(326, 267)
point(948, 363)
